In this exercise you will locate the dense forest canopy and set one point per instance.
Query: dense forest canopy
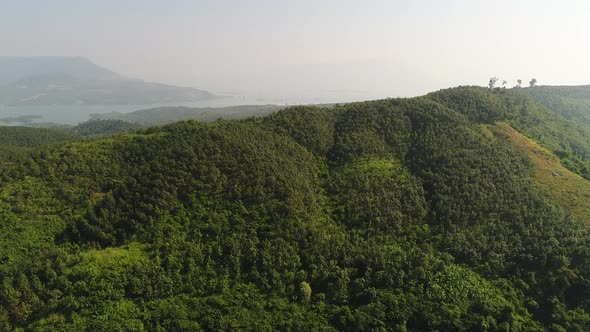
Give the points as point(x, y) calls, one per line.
point(165, 115)
point(572, 102)
point(398, 214)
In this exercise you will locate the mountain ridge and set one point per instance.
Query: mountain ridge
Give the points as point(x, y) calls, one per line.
point(78, 81)
point(14, 68)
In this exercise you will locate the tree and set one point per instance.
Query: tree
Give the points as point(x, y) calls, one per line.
point(519, 83)
point(533, 82)
point(305, 292)
point(504, 82)
point(492, 82)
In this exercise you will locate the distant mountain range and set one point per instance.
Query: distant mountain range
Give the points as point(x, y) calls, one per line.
point(77, 80)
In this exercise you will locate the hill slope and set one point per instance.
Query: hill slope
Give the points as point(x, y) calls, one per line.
point(567, 139)
point(572, 102)
point(399, 214)
point(17, 142)
point(165, 115)
point(568, 189)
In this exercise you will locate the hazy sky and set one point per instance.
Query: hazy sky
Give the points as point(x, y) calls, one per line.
point(340, 49)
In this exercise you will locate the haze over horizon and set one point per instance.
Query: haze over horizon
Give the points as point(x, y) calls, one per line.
point(328, 50)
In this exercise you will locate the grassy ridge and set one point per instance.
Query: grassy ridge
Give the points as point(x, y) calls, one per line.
point(563, 186)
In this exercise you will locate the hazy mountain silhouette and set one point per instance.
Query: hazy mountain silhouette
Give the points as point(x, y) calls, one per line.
point(76, 80)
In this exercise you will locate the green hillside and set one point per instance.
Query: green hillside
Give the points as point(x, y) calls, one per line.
point(569, 140)
point(103, 127)
point(572, 102)
point(165, 115)
point(15, 142)
point(568, 189)
point(422, 214)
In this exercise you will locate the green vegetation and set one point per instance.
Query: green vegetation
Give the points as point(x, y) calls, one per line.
point(563, 186)
point(32, 137)
point(16, 142)
point(571, 102)
point(569, 140)
point(404, 214)
point(165, 115)
point(104, 127)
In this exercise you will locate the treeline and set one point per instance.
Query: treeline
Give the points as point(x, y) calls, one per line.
point(165, 115)
point(16, 142)
point(571, 102)
point(104, 127)
point(570, 140)
point(397, 214)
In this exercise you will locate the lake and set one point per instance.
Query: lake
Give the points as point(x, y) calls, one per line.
point(74, 114)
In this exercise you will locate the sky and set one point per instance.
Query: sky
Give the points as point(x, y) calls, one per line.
point(311, 49)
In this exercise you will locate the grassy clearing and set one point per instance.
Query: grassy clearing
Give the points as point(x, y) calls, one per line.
point(568, 189)
point(112, 259)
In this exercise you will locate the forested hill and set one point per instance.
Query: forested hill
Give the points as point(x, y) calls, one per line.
point(415, 214)
point(572, 102)
point(165, 115)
